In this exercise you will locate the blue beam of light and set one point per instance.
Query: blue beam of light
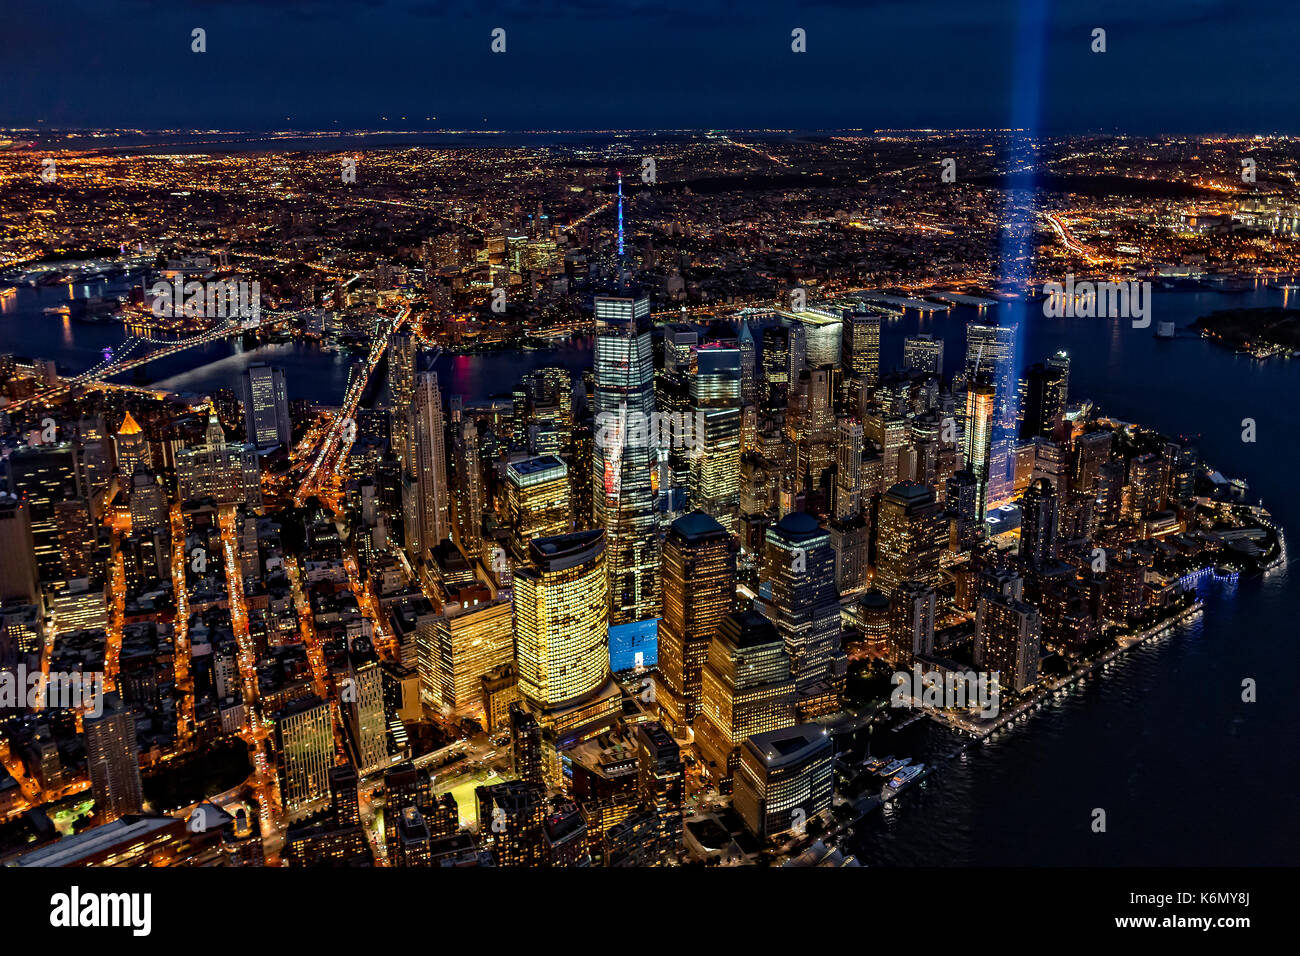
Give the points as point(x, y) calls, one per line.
point(1015, 266)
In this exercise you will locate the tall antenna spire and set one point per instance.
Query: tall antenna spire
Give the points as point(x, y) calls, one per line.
point(620, 212)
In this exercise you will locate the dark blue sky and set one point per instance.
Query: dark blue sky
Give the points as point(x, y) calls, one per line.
point(1171, 65)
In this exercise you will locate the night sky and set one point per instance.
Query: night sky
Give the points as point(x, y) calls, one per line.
point(1171, 65)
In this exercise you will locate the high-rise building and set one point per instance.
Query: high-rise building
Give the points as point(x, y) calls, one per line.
point(526, 757)
point(911, 623)
point(19, 578)
point(561, 633)
point(776, 366)
point(427, 503)
point(42, 476)
point(457, 648)
point(510, 822)
point(403, 356)
point(362, 701)
point(623, 494)
point(537, 496)
point(1045, 398)
point(228, 473)
point(849, 490)
point(990, 357)
point(147, 501)
point(748, 369)
point(911, 537)
point(799, 566)
point(1007, 636)
point(266, 406)
point(699, 586)
point(661, 780)
point(304, 736)
point(715, 400)
point(468, 489)
point(784, 779)
point(131, 447)
point(923, 353)
point(979, 440)
point(747, 689)
point(860, 353)
point(113, 760)
point(1038, 523)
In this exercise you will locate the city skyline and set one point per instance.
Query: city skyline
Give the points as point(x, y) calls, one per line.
point(429, 442)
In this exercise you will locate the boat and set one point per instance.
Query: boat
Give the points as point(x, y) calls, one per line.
point(906, 776)
point(893, 767)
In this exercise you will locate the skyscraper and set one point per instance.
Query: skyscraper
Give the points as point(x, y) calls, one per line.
point(747, 689)
point(403, 352)
point(715, 399)
point(699, 585)
point(911, 623)
point(537, 496)
point(304, 735)
point(923, 353)
point(1007, 636)
point(266, 406)
point(113, 760)
point(468, 491)
point(799, 566)
point(748, 370)
point(43, 476)
point(990, 357)
point(979, 438)
point(561, 633)
point(429, 518)
point(623, 494)
point(1038, 523)
point(130, 447)
point(19, 580)
point(911, 537)
point(860, 353)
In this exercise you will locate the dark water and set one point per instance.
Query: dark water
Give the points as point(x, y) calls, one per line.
point(311, 372)
point(1186, 772)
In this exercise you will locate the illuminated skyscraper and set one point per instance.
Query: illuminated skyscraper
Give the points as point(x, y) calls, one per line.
point(537, 494)
point(468, 491)
point(923, 353)
point(776, 366)
point(1007, 636)
point(979, 438)
point(131, 448)
point(428, 513)
point(456, 649)
point(747, 689)
point(561, 633)
point(43, 476)
point(1038, 523)
point(266, 406)
point(623, 495)
point(699, 586)
point(403, 350)
point(229, 473)
point(860, 352)
point(911, 623)
point(113, 760)
point(799, 567)
point(990, 357)
point(304, 733)
point(911, 537)
point(715, 400)
point(748, 370)
point(18, 572)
